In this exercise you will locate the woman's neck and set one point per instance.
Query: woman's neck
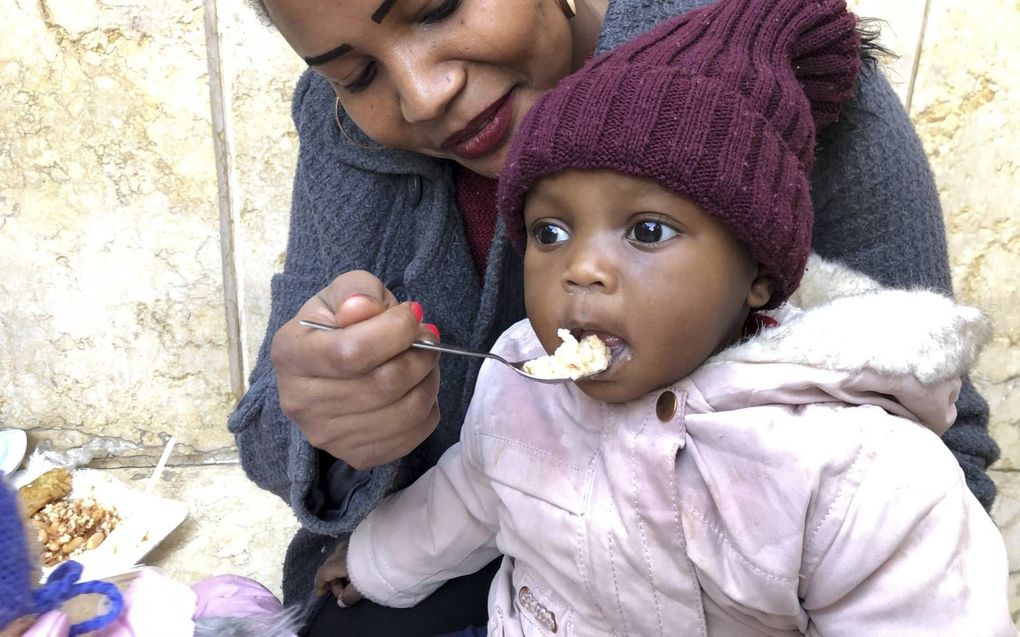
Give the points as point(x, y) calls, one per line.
point(587, 26)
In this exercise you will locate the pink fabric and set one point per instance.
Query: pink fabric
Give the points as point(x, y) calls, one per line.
point(155, 605)
point(775, 499)
point(234, 596)
point(52, 624)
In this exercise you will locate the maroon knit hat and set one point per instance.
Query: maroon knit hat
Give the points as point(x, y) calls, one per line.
point(719, 105)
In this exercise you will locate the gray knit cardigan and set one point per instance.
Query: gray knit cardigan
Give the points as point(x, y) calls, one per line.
point(393, 213)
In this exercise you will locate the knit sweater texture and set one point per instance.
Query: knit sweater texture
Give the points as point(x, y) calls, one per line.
point(394, 213)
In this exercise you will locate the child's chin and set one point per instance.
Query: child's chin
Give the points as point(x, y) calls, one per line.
point(610, 391)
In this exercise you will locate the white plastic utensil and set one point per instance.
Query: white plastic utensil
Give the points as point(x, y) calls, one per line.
point(13, 444)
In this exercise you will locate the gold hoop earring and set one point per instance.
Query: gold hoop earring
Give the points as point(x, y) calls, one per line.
point(569, 8)
point(343, 131)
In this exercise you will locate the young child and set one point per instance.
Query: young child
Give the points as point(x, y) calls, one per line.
point(745, 465)
point(152, 605)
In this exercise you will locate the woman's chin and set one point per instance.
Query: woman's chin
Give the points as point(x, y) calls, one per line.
point(488, 166)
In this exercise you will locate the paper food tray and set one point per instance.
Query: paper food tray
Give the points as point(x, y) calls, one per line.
point(145, 521)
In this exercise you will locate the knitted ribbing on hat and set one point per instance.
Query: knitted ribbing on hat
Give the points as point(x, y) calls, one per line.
point(719, 105)
point(16, 565)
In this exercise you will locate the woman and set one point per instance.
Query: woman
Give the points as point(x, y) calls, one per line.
point(407, 108)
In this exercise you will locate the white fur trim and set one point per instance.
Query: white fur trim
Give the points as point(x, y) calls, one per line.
point(847, 322)
point(282, 624)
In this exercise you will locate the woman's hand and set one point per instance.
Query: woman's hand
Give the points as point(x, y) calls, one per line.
point(333, 576)
point(361, 393)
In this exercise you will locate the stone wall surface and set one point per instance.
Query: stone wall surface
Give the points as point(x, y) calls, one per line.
point(965, 109)
point(112, 323)
point(146, 152)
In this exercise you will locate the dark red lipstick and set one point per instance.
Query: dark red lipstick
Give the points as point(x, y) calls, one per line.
point(485, 132)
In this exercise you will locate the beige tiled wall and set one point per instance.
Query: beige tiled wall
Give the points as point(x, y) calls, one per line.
point(965, 108)
point(146, 152)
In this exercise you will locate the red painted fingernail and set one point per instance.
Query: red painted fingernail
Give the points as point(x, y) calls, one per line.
point(432, 328)
point(419, 313)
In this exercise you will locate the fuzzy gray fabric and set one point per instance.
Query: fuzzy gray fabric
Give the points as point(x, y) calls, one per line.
point(285, 624)
point(393, 213)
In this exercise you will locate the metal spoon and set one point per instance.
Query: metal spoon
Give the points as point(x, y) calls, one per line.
point(460, 351)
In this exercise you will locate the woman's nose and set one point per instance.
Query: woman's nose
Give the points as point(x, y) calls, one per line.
point(427, 86)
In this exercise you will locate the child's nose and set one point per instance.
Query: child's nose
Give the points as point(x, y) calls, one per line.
point(590, 268)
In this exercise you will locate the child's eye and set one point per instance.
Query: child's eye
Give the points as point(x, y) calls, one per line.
point(651, 232)
point(549, 234)
point(444, 10)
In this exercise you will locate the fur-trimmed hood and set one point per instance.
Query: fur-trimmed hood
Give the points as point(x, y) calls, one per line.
point(845, 335)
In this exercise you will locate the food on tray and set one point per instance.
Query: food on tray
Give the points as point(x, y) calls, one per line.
point(572, 359)
point(68, 527)
point(51, 486)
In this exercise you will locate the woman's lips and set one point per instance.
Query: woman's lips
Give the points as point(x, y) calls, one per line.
point(485, 132)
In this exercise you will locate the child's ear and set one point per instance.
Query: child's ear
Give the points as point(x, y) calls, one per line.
point(760, 292)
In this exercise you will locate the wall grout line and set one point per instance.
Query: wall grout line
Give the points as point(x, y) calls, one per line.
point(226, 178)
point(917, 55)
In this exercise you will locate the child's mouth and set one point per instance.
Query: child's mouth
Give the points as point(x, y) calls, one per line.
point(619, 351)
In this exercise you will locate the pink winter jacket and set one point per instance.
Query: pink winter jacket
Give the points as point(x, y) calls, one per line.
point(795, 483)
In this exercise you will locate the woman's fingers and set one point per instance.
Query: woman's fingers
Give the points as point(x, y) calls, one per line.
point(379, 436)
point(350, 352)
point(333, 569)
point(349, 286)
point(359, 307)
point(364, 420)
point(394, 380)
point(369, 420)
point(333, 576)
point(361, 392)
point(348, 596)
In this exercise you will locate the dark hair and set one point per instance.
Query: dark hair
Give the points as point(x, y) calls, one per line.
point(872, 55)
point(259, 6)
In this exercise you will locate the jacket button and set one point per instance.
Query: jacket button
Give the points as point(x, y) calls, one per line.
point(401, 294)
point(395, 285)
point(530, 603)
point(665, 406)
point(414, 191)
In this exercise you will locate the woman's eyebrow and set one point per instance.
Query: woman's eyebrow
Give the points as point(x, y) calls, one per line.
point(383, 9)
point(328, 56)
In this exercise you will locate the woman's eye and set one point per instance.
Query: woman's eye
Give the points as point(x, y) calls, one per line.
point(443, 11)
point(363, 80)
point(651, 232)
point(548, 234)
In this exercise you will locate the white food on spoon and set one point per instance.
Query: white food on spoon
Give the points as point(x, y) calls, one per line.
point(572, 359)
